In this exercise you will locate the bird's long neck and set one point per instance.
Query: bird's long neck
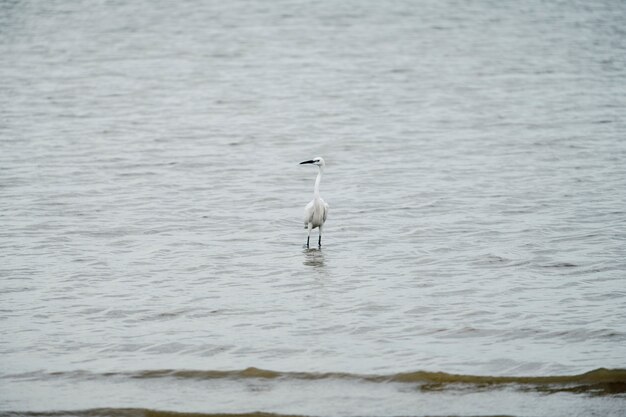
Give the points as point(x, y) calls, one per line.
point(317, 183)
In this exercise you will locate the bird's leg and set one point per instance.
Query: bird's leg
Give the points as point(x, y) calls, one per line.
point(319, 240)
point(309, 237)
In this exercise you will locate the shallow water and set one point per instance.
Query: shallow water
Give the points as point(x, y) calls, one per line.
point(151, 203)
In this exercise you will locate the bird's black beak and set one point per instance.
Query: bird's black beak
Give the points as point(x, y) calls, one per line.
point(307, 162)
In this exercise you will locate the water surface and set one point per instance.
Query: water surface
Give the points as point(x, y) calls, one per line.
point(151, 203)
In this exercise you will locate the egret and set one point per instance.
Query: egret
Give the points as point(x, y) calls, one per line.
point(316, 211)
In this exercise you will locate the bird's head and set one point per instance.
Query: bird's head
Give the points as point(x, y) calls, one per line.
point(319, 161)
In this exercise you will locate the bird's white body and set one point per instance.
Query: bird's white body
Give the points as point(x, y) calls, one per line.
point(316, 211)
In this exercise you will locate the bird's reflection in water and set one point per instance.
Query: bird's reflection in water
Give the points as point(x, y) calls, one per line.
point(313, 257)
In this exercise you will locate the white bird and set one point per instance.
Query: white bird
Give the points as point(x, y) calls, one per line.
point(316, 211)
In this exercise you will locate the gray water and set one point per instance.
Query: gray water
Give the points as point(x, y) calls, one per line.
point(151, 206)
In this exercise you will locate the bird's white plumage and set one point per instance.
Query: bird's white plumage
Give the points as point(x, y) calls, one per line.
point(316, 211)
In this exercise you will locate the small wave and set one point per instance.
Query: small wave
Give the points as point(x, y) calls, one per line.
point(132, 412)
point(600, 381)
point(560, 265)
